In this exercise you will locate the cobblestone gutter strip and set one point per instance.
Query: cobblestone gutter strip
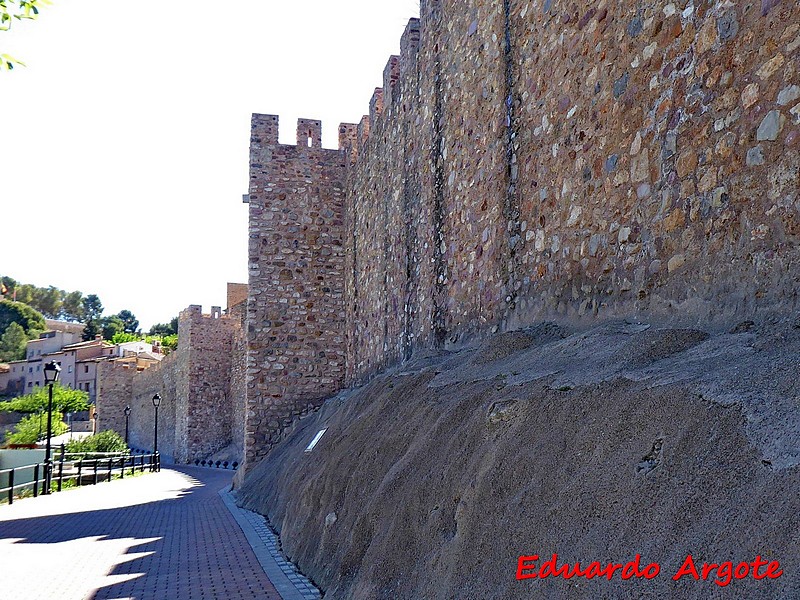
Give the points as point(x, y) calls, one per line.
point(290, 583)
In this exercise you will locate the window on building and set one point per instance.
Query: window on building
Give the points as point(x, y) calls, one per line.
point(69, 369)
point(85, 368)
point(38, 368)
point(30, 369)
point(30, 384)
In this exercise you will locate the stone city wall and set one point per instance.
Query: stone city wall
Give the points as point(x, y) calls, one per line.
point(114, 393)
point(166, 379)
point(238, 391)
point(577, 160)
point(198, 414)
point(295, 310)
point(532, 159)
point(207, 403)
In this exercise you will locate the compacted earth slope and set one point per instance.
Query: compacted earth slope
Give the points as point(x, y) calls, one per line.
point(597, 445)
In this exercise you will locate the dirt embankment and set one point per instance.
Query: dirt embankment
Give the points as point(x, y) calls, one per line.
point(597, 445)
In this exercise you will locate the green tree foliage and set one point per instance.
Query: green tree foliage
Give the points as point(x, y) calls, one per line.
point(170, 342)
point(12, 343)
point(31, 428)
point(16, 10)
point(170, 328)
point(48, 301)
point(111, 326)
point(123, 338)
point(92, 309)
point(105, 441)
point(72, 307)
point(52, 302)
point(17, 312)
point(64, 400)
point(129, 320)
point(25, 293)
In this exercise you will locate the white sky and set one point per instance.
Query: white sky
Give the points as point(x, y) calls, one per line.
point(124, 142)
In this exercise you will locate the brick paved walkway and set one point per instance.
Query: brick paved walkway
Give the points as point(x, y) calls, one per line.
point(164, 536)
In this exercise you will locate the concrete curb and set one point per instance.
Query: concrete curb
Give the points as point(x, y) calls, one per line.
point(290, 583)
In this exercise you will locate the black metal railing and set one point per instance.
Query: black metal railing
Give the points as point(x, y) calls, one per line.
point(82, 468)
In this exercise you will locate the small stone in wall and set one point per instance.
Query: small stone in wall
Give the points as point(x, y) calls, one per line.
point(719, 197)
point(620, 85)
point(770, 126)
point(706, 37)
point(708, 180)
point(686, 163)
point(635, 27)
point(769, 68)
point(670, 145)
point(655, 267)
point(640, 167)
point(725, 145)
point(675, 219)
point(788, 95)
point(795, 112)
point(676, 262)
point(636, 146)
point(727, 26)
point(755, 156)
point(750, 95)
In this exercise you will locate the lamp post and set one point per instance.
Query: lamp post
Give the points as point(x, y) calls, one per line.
point(127, 416)
point(156, 403)
point(51, 371)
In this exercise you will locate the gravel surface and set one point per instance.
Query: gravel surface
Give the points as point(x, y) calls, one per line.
point(598, 445)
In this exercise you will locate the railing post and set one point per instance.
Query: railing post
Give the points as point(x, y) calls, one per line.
point(80, 469)
point(36, 480)
point(61, 468)
point(11, 489)
point(122, 469)
point(109, 468)
point(95, 472)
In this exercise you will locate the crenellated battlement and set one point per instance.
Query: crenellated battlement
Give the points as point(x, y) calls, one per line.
point(309, 133)
point(264, 130)
point(375, 106)
point(363, 132)
point(397, 67)
point(391, 73)
point(409, 46)
point(348, 138)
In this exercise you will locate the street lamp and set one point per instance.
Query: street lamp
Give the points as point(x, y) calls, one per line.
point(127, 416)
point(51, 371)
point(156, 403)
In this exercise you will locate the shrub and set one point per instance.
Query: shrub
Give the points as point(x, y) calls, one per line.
point(105, 441)
point(28, 429)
